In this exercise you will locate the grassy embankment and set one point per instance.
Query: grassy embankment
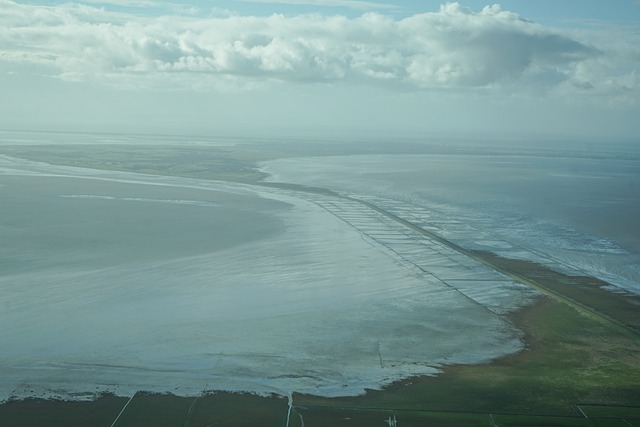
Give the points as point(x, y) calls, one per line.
point(570, 359)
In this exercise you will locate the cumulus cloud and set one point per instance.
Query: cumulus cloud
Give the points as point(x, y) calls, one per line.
point(351, 4)
point(125, 3)
point(454, 47)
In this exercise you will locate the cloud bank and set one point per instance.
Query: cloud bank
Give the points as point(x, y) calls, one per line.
point(453, 48)
point(350, 4)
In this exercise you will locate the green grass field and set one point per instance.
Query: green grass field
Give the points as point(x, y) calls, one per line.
point(569, 359)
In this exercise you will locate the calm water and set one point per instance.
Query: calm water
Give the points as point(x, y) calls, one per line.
point(122, 282)
point(582, 211)
point(114, 281)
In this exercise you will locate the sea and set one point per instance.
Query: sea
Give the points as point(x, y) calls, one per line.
point(578, 204)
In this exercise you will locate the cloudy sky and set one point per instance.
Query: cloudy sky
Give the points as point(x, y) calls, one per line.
point(549, 68)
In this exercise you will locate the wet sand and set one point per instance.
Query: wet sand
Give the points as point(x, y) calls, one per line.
point(566, 356)
point(568, 359)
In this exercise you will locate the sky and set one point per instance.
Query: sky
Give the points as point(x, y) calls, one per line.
point(316, 68)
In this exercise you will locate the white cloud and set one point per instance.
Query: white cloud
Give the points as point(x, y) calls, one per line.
point(351, 4)
point(125, 3)
point(453, 48)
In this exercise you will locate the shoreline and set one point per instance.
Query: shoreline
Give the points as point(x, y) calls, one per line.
point(558, 339)
point(569, 358)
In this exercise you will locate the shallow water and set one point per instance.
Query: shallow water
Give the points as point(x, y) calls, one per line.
point(580, 211)
point(120, 282)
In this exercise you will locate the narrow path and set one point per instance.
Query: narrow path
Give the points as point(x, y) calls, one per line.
point(290, 399)
point(122, 411)
point(187, 419)
point(581, 411)
point(493, 422)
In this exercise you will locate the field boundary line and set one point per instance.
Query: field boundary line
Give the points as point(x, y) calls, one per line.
point(122, 411)
point(581, 411)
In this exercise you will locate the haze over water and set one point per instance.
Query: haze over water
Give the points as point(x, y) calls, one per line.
point(581, 208)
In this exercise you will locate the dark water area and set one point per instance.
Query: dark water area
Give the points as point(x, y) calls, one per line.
point(599, 196)
point(577, 203)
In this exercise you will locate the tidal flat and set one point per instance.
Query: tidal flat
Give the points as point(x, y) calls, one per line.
point(171, 283)
point(185, 285)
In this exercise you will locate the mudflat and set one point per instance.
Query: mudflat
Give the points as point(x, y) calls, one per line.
point(576, 348)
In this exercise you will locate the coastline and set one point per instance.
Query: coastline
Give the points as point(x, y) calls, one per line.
point(569, 359)
point(367, 297)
